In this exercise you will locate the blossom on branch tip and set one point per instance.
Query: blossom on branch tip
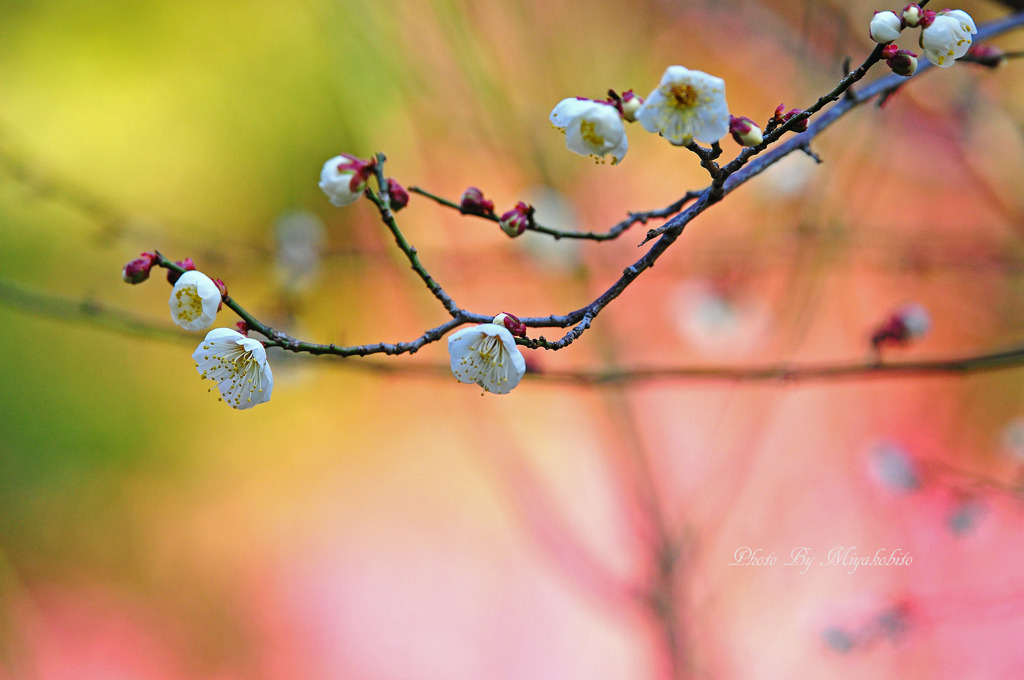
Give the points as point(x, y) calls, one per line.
point(238, 365)
point(343, 178)
point(885, 27)
point(515, 221)
point(138, 269)
point(194, 301)
point(591, 128)
point(486, 355)
point(744, 131)
point(686, 106)
point(947, 37)
point(474, 203)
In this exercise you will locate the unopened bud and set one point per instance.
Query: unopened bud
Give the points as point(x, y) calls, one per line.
point(474, 203)
point(512, 323)
point(186, 264)
point(138, 269)
point(630, 103)
point(902, 62)
point(516, 220)
point(885, 27)
point(986, 55)
point(398, 195)
point(905, 324)
point(242, 327)
point(912, 15)
point(744, 131)
point(781, 118)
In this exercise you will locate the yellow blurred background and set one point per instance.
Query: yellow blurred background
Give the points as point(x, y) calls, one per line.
point(369, 524)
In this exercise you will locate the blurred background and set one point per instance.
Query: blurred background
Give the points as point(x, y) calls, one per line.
point(394, 524)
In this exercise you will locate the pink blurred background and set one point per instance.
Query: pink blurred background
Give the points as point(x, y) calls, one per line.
point(399, 525)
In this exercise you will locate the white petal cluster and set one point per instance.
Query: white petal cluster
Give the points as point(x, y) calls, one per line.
point(340, 180)
point(687, 105)
point(591, 128)
point(194, 301)
point(885, 27)
point(487, 356)
point(948, 37)
point(239, 366)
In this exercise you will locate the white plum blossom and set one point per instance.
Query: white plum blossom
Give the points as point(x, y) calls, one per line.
point(343, 179)
point(194, 301)
point(591, 128)
point(885, 27)
point(239, 366)
point(948, 37)
point(687, 105)
point(487, 356)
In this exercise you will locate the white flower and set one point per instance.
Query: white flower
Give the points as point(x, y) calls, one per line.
point(687, 105)
point(238, 364)
point(194, 301)
point(948, 37)
point(885, 27)
point(591, 128)
point(343, 179)
point(487, 355)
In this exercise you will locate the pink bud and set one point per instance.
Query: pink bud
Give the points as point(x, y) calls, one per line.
point(912, 14)
point(986, 55)
point(744, 131)
point(474, 203)
point(242, 327)
point(137, 270)
point(186, 264)
point(516, 220)
point(902, 62)
point(399, 196)
point(512, 323)
point(905, 324)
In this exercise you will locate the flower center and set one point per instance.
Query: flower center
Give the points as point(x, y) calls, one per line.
point(492, 352)
point(588, 130)
point(191, 306)
point(683, 96)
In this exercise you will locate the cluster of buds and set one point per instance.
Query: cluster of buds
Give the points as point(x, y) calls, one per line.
point(474, 203)
point(905, 324)
point(945, 35)
point(744, 131)
point(515, 221)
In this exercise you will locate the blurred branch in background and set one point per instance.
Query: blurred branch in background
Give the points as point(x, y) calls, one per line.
point(95, 313)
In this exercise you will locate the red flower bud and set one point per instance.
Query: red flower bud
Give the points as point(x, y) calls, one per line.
point(398, 195)
point(138, 269)
point(474, 203)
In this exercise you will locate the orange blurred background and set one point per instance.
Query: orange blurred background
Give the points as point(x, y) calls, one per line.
point(371, 525)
